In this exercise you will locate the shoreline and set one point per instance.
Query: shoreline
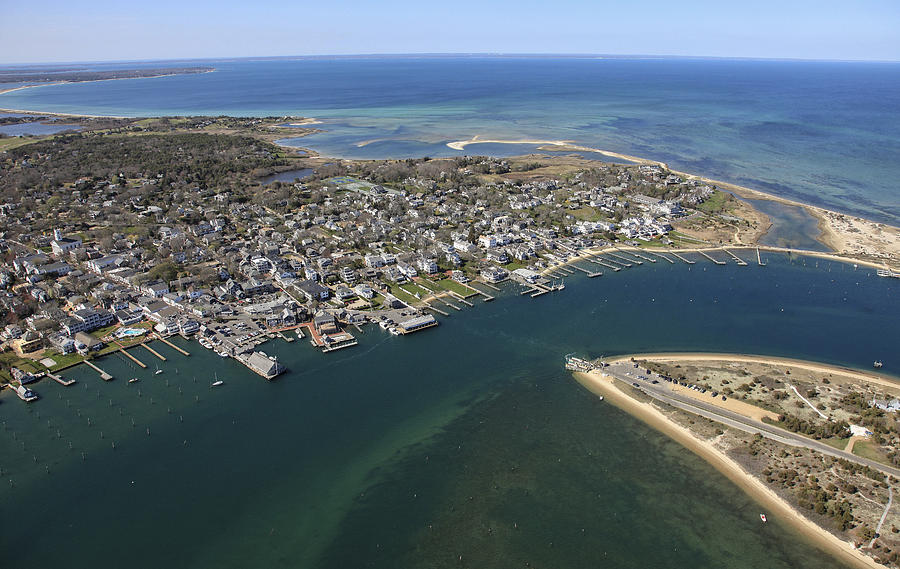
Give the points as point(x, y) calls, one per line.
point(646, 412)
point(872, 377)
point(767, 248)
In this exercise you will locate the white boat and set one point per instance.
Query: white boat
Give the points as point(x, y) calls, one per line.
point(217, 382)
point(763, 518)
point(601, 398)
point(133, 380)
point(158, 371)
point(877, 364)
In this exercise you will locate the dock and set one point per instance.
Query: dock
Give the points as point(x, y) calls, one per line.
point(759, 259)
point(639, 256)
point(625, 259)
point(712, 259)
point(590, 274)
point(438, 310)
point(486, 296)
point(737, 259)
point(154, 352)
point(602, 262)
point(489, 285)
point(688, 261)
point(450, 304)
point(103, 375)
point(60, 379)
point(173, 346)
point(131, 357)
point(459, 298)
point(660, 255)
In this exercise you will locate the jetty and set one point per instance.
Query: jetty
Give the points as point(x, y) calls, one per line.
point(712, 259)
point(60, 379)
point(154, 352)
point(103, 375)
point(173, 346)
point(688, 261)
point(759, 259)
point(737, 259)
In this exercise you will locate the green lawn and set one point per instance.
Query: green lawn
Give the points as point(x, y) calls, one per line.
point(836, 442)
point(403, 295)
point(868, 449)
point(453, 286)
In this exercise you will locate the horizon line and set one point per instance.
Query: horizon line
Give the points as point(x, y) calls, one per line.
point(486, 54)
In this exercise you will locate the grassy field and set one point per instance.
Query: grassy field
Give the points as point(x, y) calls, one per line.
point(836, 442)
point(15, 142)
point(456, 287)
point(403, 295)
point(868, 449)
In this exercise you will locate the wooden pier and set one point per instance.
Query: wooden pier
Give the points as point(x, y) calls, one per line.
point(660, 255)
point(131, 357)
point(486, 296)
point(639, 256)
point(737, 259)
point(489, 285)
point(154, 352)
point(688, 261)
point(603, 263)
point(459, 298)
point(60, 379)
point(712, 259)
point(103, 375)
point(590, 274)
point(625, 259)
point(173, 346)
point(451, 305)
point(438, 310)
point(759, 259)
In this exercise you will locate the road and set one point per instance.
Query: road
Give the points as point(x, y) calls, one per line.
point(628, 374)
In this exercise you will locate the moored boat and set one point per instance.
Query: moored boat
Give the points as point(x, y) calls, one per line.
point(763, 518)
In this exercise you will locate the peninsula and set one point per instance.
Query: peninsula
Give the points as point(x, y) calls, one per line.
point(815, 444)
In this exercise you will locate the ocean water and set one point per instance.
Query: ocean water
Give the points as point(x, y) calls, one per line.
point(467, 440)
point(824, 133)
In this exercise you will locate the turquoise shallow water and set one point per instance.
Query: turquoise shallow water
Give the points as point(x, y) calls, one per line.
point(404, 452)
point(825, 133)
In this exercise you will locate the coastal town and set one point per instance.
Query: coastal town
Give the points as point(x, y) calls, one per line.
point(223, 236)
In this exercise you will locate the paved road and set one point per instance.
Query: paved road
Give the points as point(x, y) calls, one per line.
point(663, 393)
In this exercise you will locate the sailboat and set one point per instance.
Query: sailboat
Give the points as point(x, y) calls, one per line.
point(158, 371)
point(133, 380)
point(217, 381)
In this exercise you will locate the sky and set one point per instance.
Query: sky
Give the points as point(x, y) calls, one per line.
point(36, 31)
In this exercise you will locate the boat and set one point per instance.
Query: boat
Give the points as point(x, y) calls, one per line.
point(763, 518)
point(217, 381)
point(158, 371)
point(133, 380)
point(601, 397)
point(877, 364)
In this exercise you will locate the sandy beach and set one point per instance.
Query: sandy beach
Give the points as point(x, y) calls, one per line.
point(773, 506)
point(870, 377)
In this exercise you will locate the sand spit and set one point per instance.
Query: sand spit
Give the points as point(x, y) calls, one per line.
point(774, 505)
